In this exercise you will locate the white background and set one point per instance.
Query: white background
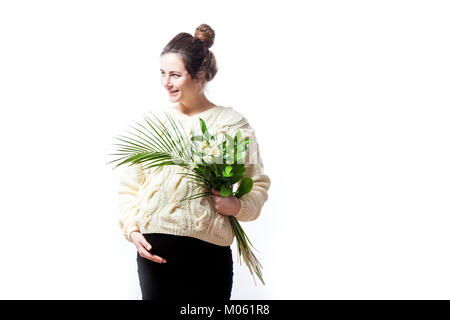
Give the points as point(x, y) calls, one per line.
point(350, 103)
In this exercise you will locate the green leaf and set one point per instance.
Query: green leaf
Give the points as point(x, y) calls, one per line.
point(203, 125)
point(241, 147)
point(240, 159)
point(239, 171)
point(245, 187)
point(197, 138)
point(236, 177)
point(230, 138)
point(204, 129)
point(227, 171)
point(239, 136)
point(225, 191)
point(200, 169)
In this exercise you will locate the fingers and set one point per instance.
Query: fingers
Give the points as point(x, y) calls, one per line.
point(145, 243)
point(145, 254)
point(144, 247)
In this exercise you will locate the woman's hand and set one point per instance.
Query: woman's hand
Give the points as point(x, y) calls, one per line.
point(143, 247)
point(229, 206)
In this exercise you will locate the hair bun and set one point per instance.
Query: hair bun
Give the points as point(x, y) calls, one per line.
point(206, 34)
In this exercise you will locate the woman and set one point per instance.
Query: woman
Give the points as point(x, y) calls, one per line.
point(184, 250)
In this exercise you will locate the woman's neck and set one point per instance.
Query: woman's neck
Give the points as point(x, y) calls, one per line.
point(194, 107)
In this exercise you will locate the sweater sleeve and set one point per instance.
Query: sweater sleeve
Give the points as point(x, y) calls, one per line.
point(252, 202)
point(131, 178)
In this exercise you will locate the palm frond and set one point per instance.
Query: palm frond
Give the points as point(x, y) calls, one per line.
point(176, 147)
point(180, 141)
point(162, 142)
point(198, 195)
point(151, 142)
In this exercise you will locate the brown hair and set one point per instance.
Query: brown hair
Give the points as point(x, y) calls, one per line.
point(195, 52)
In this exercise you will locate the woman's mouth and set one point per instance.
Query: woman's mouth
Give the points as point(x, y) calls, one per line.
point(174, 92)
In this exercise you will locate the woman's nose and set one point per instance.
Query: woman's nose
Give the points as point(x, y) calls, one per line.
point(166, 82)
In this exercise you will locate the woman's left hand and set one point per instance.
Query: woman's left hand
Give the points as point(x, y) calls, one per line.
point(228, 206)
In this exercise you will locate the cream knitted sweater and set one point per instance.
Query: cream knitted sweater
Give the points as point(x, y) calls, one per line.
point(147, 198)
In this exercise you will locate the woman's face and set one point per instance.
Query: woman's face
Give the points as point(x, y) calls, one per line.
point(177, 81)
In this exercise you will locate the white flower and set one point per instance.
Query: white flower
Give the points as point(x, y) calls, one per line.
point(203, 145)
point(197, 159)
point(214, 143)
point(215, 152)
point(207, 151)
point(208, 159)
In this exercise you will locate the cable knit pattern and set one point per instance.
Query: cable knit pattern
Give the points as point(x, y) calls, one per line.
point(147, 198)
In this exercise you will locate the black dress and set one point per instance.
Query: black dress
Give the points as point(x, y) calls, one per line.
point(195, 269)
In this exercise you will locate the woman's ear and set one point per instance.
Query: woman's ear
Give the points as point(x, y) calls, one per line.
point(202, 78)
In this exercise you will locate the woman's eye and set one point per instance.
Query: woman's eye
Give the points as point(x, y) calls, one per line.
point(175, 75)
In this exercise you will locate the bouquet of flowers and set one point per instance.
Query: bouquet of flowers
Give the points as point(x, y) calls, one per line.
point(211, 162)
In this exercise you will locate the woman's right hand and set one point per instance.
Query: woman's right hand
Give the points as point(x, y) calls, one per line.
point(143, 247)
